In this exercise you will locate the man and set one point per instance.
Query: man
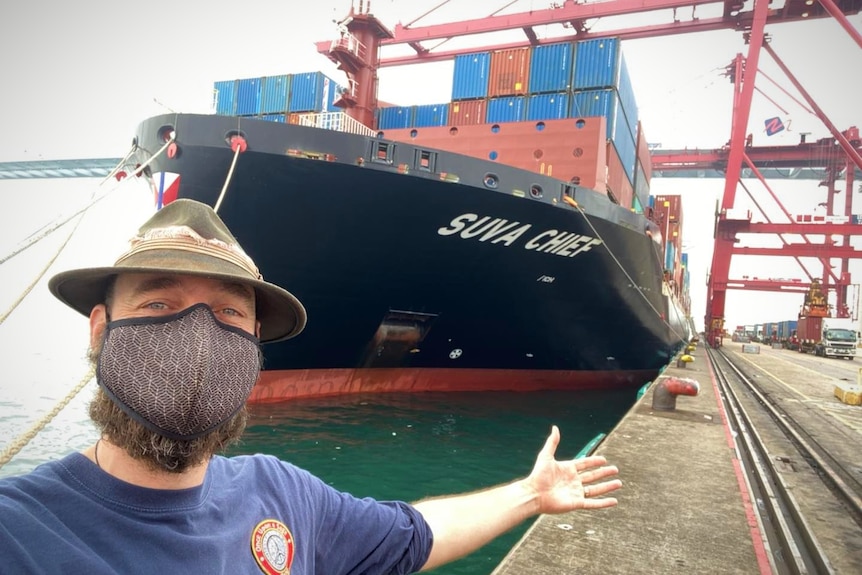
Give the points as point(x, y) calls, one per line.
point(175, 328)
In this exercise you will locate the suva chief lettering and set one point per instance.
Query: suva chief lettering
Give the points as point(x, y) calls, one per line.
point(506, 233)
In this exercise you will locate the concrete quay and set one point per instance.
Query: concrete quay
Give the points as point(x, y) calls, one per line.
point(684, 506)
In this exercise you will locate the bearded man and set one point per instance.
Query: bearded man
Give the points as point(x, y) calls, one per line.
point(175, 331)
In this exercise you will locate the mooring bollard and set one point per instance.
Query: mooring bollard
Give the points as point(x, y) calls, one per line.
point(665, 393)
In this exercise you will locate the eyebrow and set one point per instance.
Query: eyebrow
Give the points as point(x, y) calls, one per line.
point(239, 290)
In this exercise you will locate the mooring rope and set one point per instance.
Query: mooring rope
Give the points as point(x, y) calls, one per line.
point(40, 275)
point(120, 164)
point(238, 144)
point(21, 441)
point(57, 225)
point(580, 210)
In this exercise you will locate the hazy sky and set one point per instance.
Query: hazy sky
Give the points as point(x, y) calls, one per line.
point(79, 76)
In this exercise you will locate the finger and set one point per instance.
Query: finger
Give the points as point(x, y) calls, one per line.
point(599, 489)
point(551, 443)
point(590, 462)
point(598, 474)
point(602, 503)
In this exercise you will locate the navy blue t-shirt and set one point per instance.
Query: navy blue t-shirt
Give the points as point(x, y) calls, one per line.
point(253, 514)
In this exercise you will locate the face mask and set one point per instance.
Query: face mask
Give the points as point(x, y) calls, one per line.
point(180, 375)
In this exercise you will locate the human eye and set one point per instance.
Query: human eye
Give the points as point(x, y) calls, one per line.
point(229, 311)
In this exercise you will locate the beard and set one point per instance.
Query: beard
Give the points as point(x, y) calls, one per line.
point(157, 452)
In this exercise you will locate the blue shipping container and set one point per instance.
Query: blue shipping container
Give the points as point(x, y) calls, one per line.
point(669, 255)
point(551, 68)
point(224, 97)
point(641, 186)
point(786, 328)
point(596, 63)
point(626, 94)
point(628, 153)
point(470, 78)
point(605, 103)
point(548, 106)
point(508, 109)
point(248, 97)
point(313, 92)
point(274, 94)
point(273, 117)
point(428, 115)
point(395, 117)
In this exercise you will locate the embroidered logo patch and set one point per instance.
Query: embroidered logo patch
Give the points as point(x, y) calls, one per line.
point(272, 546)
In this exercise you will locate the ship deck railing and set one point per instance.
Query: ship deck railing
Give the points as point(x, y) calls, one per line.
point(338, 121)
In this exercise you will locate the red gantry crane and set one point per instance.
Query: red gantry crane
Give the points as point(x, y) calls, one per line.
point(359, 52)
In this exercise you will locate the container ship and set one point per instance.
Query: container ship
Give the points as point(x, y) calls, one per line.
point(503, 240)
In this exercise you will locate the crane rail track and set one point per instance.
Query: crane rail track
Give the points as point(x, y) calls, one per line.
point(797, 540)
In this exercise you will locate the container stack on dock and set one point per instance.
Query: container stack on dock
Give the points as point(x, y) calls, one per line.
point(667, 212)
point(579, 93)
point(281, 98)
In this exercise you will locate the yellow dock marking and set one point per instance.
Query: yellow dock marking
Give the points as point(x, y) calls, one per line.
point(816, 402)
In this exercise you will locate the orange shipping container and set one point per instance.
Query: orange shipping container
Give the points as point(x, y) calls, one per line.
point(509, 73)
point(467, 112)
point(618, 183)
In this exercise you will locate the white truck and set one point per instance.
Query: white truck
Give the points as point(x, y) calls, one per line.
point(839, 338)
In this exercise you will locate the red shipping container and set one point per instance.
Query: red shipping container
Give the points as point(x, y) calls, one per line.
point(668, 211)
point(509, 73)
point(643, 153)
point(809, 328)
point(565, 149)
point(467, 112)
point(617, 180)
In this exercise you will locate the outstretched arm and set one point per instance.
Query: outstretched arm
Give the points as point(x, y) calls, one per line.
point(463, 523)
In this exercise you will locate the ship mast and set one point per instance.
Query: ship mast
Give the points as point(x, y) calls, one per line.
point(357, 53)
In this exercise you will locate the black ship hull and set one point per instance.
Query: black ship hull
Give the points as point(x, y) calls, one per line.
point(421, 269)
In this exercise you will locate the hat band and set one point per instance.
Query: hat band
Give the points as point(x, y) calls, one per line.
point(185, 244)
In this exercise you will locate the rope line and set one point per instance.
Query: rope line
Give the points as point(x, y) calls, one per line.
point(580, 210)
point(236, 153)
point(22, 440)
point(120, 164)
point(35, 239)
point(41, 274)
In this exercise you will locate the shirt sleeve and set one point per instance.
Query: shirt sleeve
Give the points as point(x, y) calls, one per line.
point(365, 536)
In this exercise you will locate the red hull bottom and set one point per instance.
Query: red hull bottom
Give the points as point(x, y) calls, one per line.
point(282, 385)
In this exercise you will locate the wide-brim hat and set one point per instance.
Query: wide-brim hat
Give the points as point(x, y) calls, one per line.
point(187, 237)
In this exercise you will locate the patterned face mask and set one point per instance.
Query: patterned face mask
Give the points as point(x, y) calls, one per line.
point(180, 375)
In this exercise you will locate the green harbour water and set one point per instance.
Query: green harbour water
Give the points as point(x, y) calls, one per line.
point(411, 446)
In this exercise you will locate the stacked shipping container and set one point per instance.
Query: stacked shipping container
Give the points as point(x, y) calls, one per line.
point(564, 80)
point(667, 212)
point(276, 98)
point(578, 81)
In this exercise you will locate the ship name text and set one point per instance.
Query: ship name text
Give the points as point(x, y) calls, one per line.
point(503, 232)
